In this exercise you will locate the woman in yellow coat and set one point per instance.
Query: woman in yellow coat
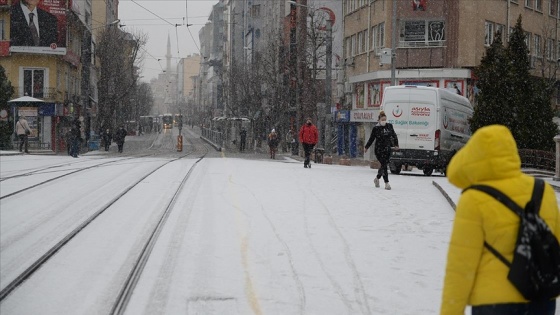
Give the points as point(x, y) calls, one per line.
point(473, 275)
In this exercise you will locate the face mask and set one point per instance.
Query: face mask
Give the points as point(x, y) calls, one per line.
point(383, 122)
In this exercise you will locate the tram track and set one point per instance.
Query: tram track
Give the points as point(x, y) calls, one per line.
point(126, 291)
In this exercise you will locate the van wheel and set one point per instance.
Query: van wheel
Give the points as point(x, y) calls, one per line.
point(395, 168)
point(428, 171)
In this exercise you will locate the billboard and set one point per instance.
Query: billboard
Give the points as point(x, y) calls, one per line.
point(38, 26)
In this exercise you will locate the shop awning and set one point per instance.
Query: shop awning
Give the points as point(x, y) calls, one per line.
point(26, 99)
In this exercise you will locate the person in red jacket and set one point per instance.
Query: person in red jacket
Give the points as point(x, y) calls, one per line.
point(308, 136)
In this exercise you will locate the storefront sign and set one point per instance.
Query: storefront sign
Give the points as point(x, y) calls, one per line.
point(47, 109)
point(342, 116)
point(364, 115)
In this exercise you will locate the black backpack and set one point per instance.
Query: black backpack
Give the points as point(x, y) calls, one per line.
point(535, 269)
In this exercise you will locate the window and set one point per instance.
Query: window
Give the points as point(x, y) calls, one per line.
point(553, 10)
point(529, 3)
point(256, 10)
point(488, 33)
point(2, 31)
point(528, 41)
point(348, 46)
point(502, 29)
point(538, 5)
point(550, 49)
point(353, 46)
point(378, 36)
point(420, 33)
point(34, 82)
point(361, 43)
point(538, 46)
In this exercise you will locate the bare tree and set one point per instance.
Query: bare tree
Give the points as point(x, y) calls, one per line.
point(119, 59)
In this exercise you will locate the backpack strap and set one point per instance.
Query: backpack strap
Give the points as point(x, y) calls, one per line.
point(534, 204)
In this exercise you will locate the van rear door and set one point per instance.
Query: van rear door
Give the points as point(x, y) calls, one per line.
point(412, 112)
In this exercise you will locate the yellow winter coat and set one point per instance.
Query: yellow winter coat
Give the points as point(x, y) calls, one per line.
point(473, 275)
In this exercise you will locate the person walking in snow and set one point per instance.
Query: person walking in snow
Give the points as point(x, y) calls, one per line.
point(119, 138)
point(273, 143)
point(107, 138)
point(308, 136)
point(243, 139)
point(75, 138)
point(23, 131)
point(385, 139)
point(473, 274)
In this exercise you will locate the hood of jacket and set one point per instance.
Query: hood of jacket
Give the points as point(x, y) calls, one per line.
point(490, 154)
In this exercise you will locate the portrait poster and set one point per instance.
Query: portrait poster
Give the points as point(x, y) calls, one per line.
point(456, 86)
point(419, 5)
point(374, 94)
point(47, 33)
point(360, 96)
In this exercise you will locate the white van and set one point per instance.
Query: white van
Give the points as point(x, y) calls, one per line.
point(431, 124)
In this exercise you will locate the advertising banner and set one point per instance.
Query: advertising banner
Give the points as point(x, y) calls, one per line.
point(38, 26)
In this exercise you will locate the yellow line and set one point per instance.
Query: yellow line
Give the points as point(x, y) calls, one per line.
point(244, 246)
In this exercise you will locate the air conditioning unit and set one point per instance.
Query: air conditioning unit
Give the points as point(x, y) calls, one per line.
point(348, 88)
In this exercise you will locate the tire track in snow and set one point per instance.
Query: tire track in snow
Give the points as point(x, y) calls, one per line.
point(359, 290)
point(287, 250)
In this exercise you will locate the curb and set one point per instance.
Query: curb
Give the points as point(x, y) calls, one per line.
point(444, 193)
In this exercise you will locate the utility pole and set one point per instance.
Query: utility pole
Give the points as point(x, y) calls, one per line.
point(393, 43)
point(328, 87)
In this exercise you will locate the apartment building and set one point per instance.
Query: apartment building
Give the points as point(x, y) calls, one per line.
point(434, 43)
point(46, 68)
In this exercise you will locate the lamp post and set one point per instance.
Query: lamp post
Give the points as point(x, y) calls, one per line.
point(394, 43)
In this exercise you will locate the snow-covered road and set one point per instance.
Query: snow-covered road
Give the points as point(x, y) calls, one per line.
point(243, 237)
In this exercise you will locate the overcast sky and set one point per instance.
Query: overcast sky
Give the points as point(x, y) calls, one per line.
point(157, 19)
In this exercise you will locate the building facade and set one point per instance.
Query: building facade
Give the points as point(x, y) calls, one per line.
point(435, 43)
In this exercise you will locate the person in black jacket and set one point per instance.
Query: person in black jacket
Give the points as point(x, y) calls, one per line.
point(75, 138)
point(119, 138)
point(385, 138)
point(107, 138)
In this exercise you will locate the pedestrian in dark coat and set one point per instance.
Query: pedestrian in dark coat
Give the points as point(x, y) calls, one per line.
point(243, 141)
point(107, 138)
point(308, 136)
point(385, 138)
point(273, 143)
point(75, 139)
point(119, 138)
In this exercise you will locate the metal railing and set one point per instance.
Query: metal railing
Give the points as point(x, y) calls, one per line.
point(542, 160)
point(213, 136)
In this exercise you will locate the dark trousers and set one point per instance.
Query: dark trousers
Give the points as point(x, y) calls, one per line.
point(75, 148)
point(120, 145)
point(382, 172)
point(23, 142)
point(533, 308)
point(242, 145)
point(307, 147)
